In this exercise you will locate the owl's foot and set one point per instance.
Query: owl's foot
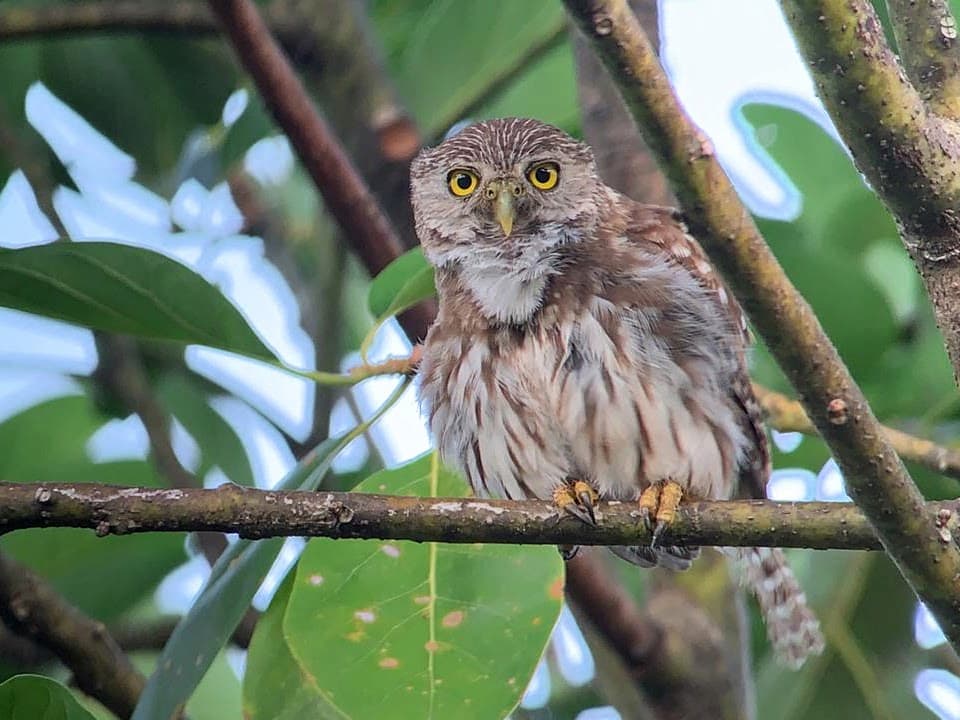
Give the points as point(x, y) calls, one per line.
point(568, 552)
point(577, 498)
point(658, 506)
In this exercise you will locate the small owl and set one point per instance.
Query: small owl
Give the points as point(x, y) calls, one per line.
point(585, 349)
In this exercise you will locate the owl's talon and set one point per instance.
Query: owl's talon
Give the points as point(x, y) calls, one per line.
point(568, 552)
point(658, 507)
point(578, 499)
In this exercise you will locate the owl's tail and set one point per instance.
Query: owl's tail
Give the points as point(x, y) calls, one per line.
point(792, 627)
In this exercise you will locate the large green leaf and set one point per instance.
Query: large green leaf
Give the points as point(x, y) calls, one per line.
point(33, 697)
point(463, 48)
point(431, 630)
point(108, 286)
point(402, 284)
point(198, 638)
point(828, 266)
point(275, 687)
point(233, 581)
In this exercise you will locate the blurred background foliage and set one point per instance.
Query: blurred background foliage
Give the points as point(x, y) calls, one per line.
point(159, 97)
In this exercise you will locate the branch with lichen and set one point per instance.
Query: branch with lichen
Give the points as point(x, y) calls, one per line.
point(876, 478)
point(32, 608)
point(258, 514)
point(926, 34)
point(904, 135)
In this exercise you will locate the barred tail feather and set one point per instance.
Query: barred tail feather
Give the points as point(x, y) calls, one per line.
point(792, 627)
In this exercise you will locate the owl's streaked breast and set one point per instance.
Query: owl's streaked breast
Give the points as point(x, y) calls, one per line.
point(585, 390)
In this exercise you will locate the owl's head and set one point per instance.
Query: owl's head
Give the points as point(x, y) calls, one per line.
point(502, 192)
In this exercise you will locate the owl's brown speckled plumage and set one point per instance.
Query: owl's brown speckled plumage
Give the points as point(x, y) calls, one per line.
point(584, 336)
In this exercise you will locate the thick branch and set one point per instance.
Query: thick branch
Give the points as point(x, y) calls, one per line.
point(257, 514)
point(355, 209)
point(910, 155)
point(876, 479)
point(33, 608)
point(926, 35)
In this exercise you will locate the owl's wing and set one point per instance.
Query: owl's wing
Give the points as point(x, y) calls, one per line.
point(662, 229)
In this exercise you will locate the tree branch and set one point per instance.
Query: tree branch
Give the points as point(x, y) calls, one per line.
point(31, 607)
point(349, 201)
point(910, 155)
point(788, 415)
point(876, 478)
point(258, 514)
point(926, 34)
point(185, 17)
point(121, 371)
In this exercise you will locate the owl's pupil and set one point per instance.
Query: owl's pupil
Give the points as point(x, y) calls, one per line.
point(463, 181)
point(542, 175)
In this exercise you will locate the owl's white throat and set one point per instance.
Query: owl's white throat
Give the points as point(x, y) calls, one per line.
point(507, 296)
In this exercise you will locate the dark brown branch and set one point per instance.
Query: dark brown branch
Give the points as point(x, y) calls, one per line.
point(257, 514)
point(910, 155)
point(876, 479)
point(343, 67)
point(349, 201)
point(31, 607)
point(184, 17)
point(623, 158)
point(926, 34)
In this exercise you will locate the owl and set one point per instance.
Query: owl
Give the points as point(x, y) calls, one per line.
point(585, 349)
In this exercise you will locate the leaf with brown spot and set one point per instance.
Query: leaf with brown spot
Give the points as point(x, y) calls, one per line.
point(419, 630)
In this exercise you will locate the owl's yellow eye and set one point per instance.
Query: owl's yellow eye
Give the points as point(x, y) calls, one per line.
point(462, 182)
point(544, 176)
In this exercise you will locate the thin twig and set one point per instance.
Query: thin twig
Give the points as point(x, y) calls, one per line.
point(31, 607)
point(876, 478)
point(394, 366)
point(788, 415)
point(258, 514)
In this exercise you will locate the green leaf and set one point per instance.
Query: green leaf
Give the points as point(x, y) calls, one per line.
point(118, 288)
point(219, 443)
point(421, 630)
point(401, 285)
point(275, 687)
point(34, 697)
point(233, 581)
point(823, 250)
point(48, 442)
point(198, 638)
point(494, 35)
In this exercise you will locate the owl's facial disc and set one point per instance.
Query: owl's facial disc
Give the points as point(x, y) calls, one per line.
point(502, 194)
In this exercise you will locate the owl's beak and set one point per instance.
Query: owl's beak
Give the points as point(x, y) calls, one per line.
point(505, 210)
point(504, 197)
